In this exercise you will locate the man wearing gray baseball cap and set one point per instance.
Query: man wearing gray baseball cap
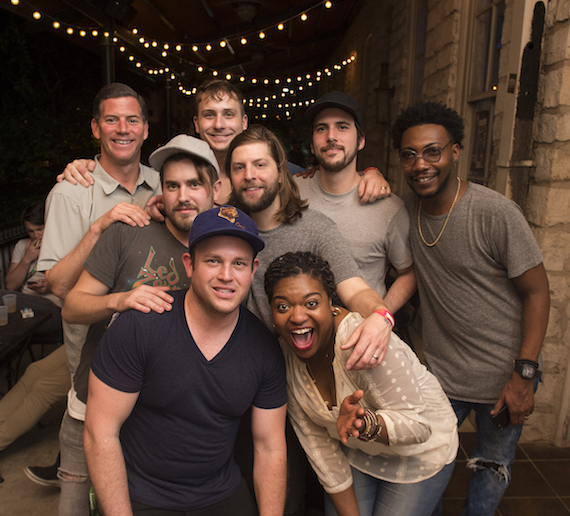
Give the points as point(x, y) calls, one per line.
point(166, 391)
point(136, 267)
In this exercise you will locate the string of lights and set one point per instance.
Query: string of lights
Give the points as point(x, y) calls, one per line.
point(289, 86)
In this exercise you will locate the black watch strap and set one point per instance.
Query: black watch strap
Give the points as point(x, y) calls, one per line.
point(521, 361)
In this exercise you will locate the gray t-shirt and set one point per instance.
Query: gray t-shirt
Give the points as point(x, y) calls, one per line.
point(376, 232)
point(471, 308)
point(313, 232)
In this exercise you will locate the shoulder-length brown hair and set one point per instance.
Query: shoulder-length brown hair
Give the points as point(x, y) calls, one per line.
point(292, 206)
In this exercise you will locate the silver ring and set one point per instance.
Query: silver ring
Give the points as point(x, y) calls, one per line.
point(375, 357)
point(383, 188)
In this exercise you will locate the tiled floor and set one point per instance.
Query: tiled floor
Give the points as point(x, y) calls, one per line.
point(540, 483)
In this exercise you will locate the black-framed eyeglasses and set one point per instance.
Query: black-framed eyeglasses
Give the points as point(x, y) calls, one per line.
point(430, 154)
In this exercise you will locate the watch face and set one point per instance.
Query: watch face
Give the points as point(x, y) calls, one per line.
point(527, 371)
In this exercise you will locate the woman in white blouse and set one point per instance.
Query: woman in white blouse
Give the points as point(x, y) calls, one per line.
point(382, 441)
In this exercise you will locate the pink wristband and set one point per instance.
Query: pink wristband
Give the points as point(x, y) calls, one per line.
point(388, 316)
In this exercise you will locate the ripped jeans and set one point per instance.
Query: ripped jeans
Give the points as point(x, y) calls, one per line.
point(491, 460)
point(73, 472)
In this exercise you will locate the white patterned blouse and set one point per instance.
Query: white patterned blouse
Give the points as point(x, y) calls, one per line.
point(421, 424)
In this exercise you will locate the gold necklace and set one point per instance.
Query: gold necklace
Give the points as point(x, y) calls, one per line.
point(446, 219)
point(320, 368)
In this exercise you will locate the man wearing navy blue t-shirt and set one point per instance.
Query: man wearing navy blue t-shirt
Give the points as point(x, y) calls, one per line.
point(166, 391)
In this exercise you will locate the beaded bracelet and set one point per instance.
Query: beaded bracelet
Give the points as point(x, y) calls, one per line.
point(372, 426)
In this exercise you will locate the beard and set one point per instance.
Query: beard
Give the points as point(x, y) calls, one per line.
point(255, 206)
point(180, 222)
point(335, 166)
point(429, 195)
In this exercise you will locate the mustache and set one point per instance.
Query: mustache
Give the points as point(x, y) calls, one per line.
point(185, 206)
point(332, 147)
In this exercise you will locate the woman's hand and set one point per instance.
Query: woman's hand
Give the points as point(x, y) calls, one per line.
point(350, 414)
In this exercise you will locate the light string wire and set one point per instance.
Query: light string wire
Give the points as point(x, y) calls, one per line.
point(292, 85)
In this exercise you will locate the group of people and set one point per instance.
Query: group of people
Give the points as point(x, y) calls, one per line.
point(233, 251)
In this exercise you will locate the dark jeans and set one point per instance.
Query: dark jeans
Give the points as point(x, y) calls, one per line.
point(240, 503)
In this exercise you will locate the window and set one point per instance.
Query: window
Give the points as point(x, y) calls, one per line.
point(482, 86)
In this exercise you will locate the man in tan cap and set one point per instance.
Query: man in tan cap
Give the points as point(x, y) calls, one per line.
point(132, 269)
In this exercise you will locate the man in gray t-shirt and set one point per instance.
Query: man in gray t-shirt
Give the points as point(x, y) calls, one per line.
point(376, 232)
point(483, 291)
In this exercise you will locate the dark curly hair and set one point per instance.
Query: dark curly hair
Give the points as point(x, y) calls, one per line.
point(428, 113)
point(294, 264)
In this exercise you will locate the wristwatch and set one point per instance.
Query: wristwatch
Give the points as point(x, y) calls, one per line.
point(528, 369)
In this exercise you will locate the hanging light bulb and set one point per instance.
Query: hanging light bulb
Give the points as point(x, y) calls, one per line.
point(164, 53)
point(200, 69)
point(178, 48)
point(36, 15)
point(195, 48)
point(304, 17)
point(223, 43)
point(280, 26)
point(228, 76)
point(94, 33)
point(208, 47)
point(69, 30)
point(328, 4)
point(15, 2)
point(154, 44)
point(56, 25)
point(135, 30)
point(115, 39)
point(261, 35)
point(166, 46)
point(243, 41)
point(215, 73)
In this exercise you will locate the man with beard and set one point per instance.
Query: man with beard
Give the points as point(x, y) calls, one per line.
point(483, 290)
point(377, 233)
point(131, 269)
point(263, 188)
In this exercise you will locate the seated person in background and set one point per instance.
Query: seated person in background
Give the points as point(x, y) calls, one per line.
point(23, 276)
point(397, 428)
point(45, 381)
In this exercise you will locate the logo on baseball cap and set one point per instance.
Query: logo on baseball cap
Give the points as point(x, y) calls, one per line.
point(225, 220)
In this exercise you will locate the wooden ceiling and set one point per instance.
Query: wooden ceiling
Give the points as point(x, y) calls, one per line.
point(301, 48)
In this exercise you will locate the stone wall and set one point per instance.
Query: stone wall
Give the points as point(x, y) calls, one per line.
point(382, 38)
point(548, 211)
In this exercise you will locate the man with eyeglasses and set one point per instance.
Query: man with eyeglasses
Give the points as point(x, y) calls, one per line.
point(483, 291)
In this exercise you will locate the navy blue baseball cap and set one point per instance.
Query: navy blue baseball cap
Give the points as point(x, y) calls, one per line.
point(225, 220)
point(338, 99)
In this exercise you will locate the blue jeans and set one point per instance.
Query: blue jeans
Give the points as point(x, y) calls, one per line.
point(379, 498)
point(491, 460)
point(73, 472)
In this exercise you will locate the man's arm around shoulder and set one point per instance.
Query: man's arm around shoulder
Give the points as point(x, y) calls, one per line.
point(269, 459)
point(89, 301)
